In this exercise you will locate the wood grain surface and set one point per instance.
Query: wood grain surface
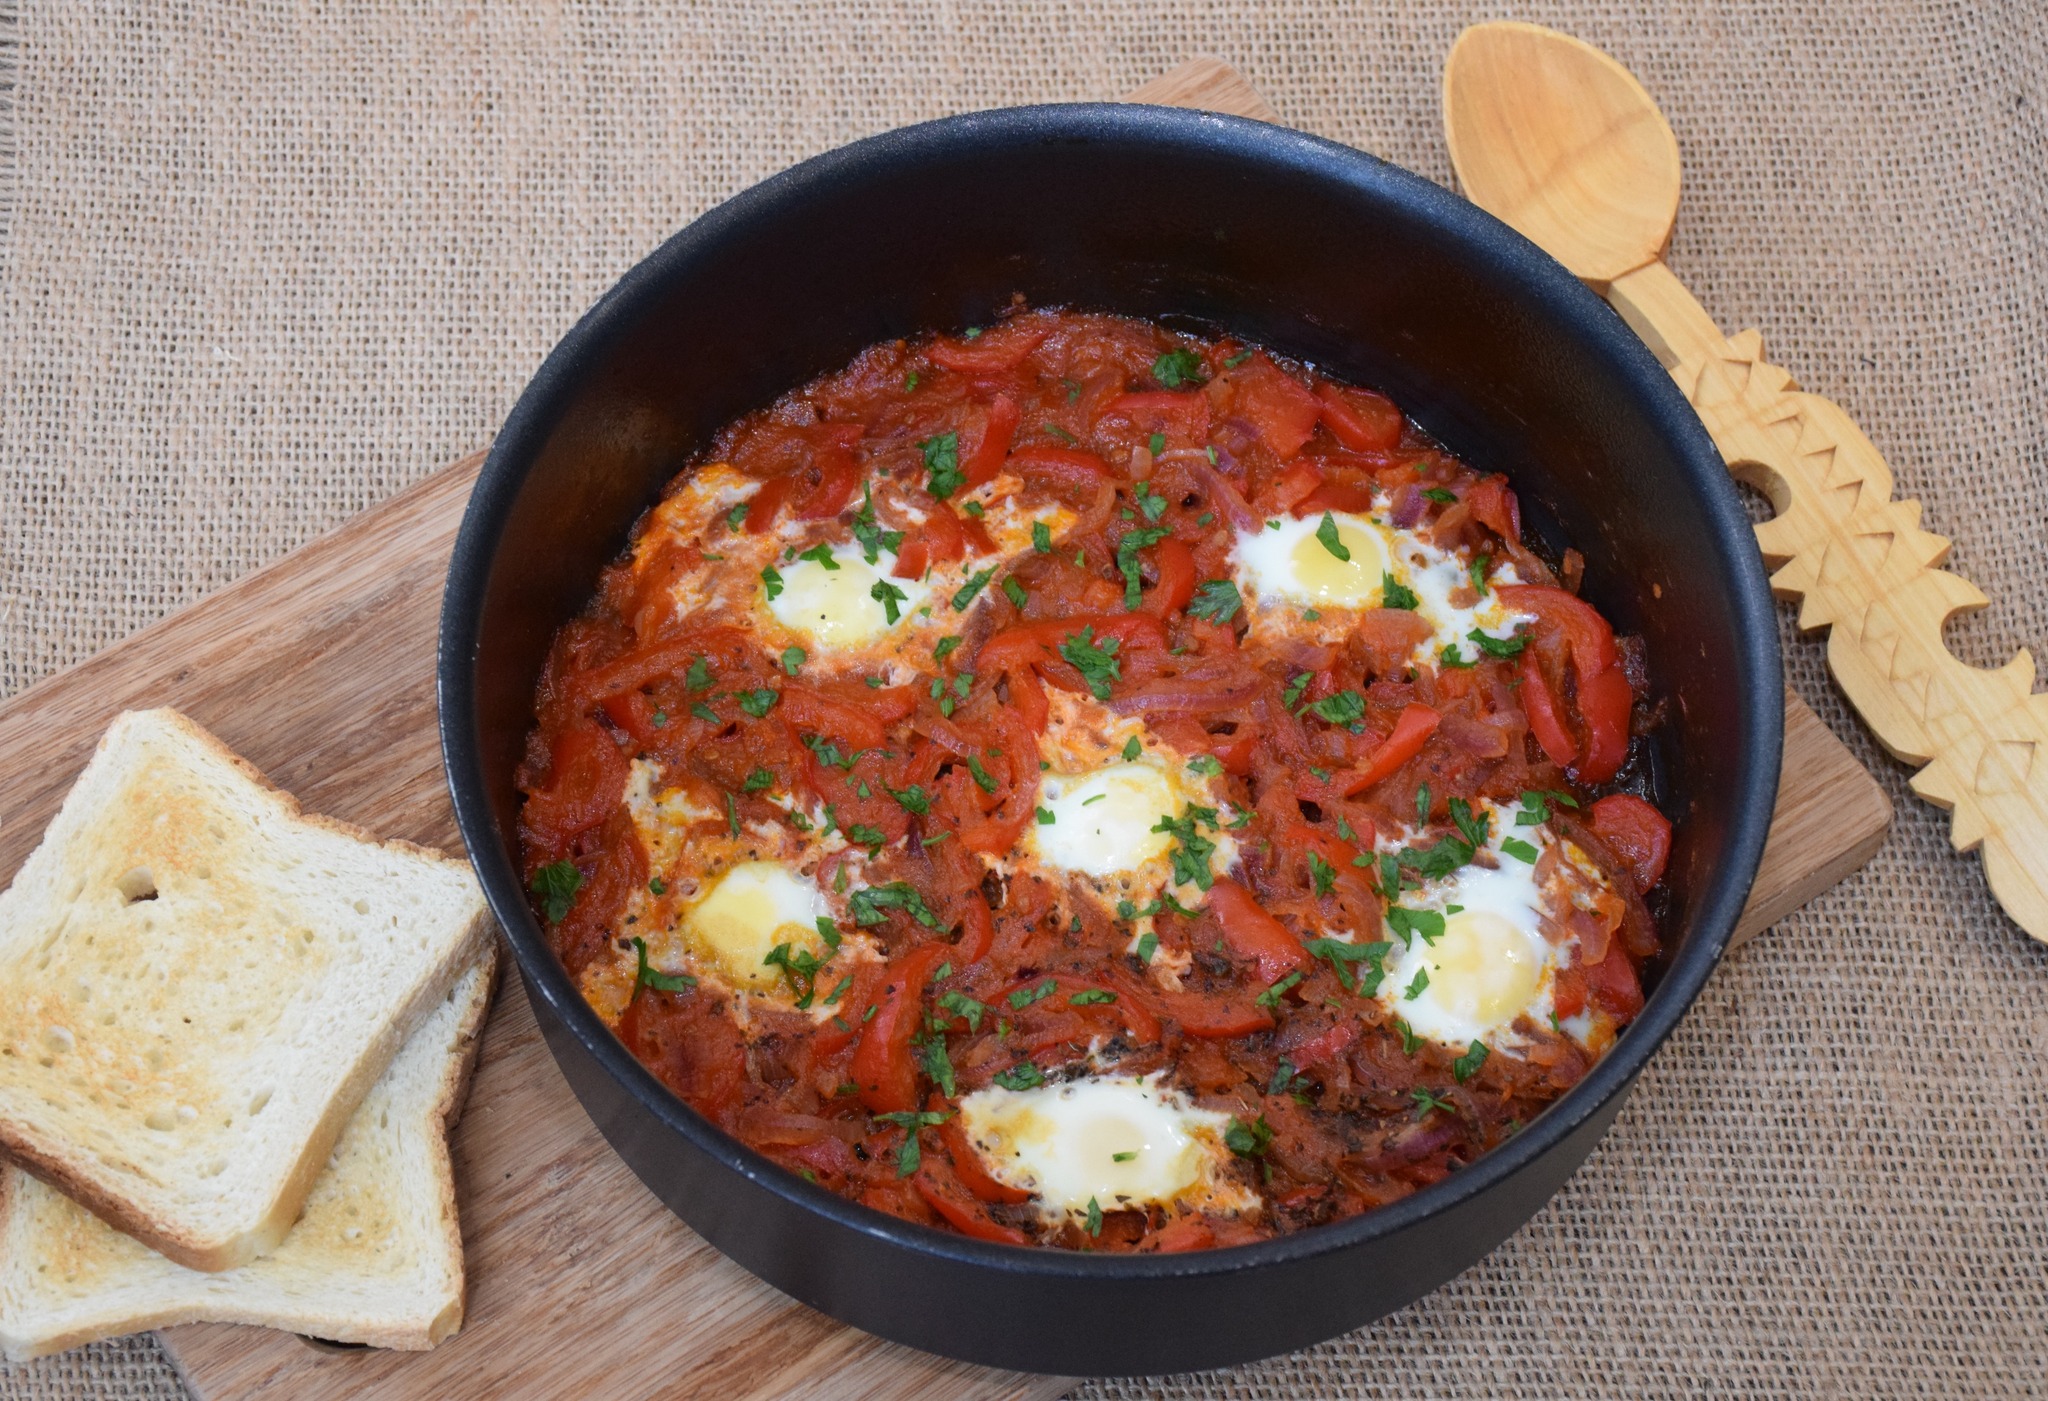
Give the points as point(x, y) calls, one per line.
point(319, 669)
point(1556, 138)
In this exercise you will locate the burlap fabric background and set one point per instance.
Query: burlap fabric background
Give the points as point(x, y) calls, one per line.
point(267, 263)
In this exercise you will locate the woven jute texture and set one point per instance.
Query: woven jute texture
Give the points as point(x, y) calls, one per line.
point(266, 263)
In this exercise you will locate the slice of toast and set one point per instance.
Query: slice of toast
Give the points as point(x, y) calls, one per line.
point(377, 1257)
point(199, 984)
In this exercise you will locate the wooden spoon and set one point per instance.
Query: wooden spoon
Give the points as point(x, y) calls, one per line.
point(1557, 139)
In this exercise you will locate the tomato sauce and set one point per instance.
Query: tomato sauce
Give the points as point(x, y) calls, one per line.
point(1345, 756)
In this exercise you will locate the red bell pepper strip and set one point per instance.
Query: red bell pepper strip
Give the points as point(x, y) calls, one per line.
point(1205, 1016)
point(1412, 730)
point(990, 353)
point(981, 466)
point(1544, 722)
point(1637, 832)
point(950, 1200)
point(1361, 420)
point(1071, 468)
point(882, 1065)
point(1176, 565)
point(764, 505)
point(838, 476)
point(1604, 704)
point(1254, 933)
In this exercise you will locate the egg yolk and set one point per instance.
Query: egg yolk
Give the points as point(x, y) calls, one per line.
point(846, 603)
point(747, 912)
point(1484, 970)
point(1348, 583)
point(1111, 1140)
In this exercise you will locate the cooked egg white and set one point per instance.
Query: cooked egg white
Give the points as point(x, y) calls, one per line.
point(840, 605)
point(1115, 1140)
point(1286, 566)
point(1100, 812)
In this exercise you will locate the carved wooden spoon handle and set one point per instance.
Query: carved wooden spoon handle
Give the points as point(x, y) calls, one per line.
point(1862, 567)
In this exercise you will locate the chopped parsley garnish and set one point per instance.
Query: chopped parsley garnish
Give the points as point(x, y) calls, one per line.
point(910, 1121)
point(1453, 658)
point(1045, 817)
point(1041, 537)
point(942, 463)
point(1440, 496)
point(972, 587)
point(1295, 686)
point(557, 884)
point(1150, 501)
point(1416, 985)
point(911, 799)
point(1207, 765)
point(698, 677)
point(1323, 872)
point(1133, 747)
point(1238, 359)
point(1024, 1075)
point(657, 886)
point(757, 781)
point(1467, 1065)
point(705, 713)
point(649, 977)
point(1148, 944)
point(1536, 806)
point(732, 815)
point(1248, 1140)
point(792, 660)
point(891, 598)
point(1155, 445)
point(1191, 856)
point(1500, 646)
point(830, 754)
point(1206, 519)
point(1097, 664)
point(1058, 432)
point(1094, 1217)
point(1342, 955)
point(838, 991)
point(799, 969)
point(1395, 594)
point(1090, 997)
point(1474, 829)
point(1519, 849)
point(660, 719)
point(1014, 591)
point(1217, 600)
point(1479, 573)
point(736, 517)
point(1427, 925)
point(866, 529)
point(1272, 995)
point(758, 703)
point(1127, 561)
point(873, 838)
point(1327, 534)
point(771, 580)
point(1123, 1157)
point(869, 903)
point(1346, 708)
point(910, 382)
point(939, 1066)
point(943, 646)
point(1409, 1040)
point(1425, 1101)
point(963, 1007)
point(1024, 997)
point(981, 775)
point(1177, 367)
point(821, 554)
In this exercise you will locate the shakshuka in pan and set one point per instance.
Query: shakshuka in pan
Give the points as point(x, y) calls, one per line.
point(1082, 784)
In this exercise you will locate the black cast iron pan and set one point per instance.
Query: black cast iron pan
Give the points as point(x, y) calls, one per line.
point(1314, 249)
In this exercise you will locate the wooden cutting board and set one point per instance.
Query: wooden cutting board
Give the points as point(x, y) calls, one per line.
point(320, 670)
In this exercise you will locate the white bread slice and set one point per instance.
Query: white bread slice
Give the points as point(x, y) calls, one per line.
point(376, 1259)
point(199, 984)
